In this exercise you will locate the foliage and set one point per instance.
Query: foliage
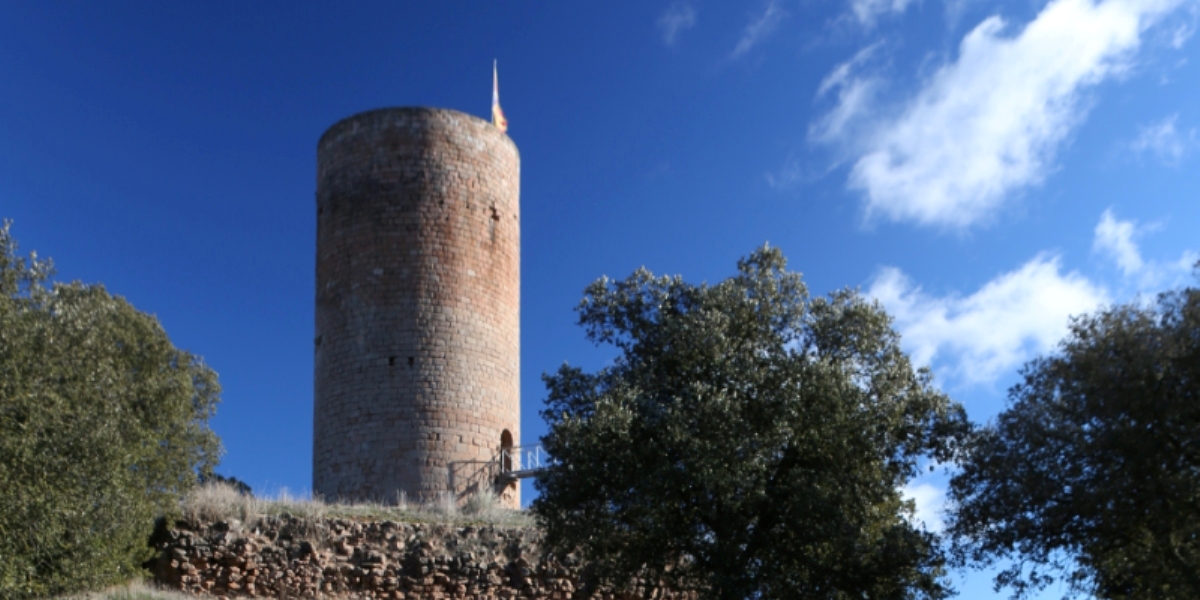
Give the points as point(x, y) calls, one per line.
point(747, 440)
point(1092, 472)
point(103, 424)
point(235, 484)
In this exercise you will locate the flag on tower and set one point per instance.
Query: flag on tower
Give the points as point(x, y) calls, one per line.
point(497, 115)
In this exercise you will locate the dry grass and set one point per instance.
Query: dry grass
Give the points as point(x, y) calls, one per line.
point(136, 590)
point(220, 502)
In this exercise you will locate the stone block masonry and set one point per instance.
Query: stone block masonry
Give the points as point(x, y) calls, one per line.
point(417, 341)
point(289, 557)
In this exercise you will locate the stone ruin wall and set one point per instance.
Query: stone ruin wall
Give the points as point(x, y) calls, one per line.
point(291, 557)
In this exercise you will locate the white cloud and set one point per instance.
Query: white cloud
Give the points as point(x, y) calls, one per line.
point(1164, 141)
point(977, 338)
point(867, 11)
point(844, 72)
point(856, 95)
point(1182, 34)
point(1018, 315)
point(990, 123)
point(761, 28)
point(678, 18)
point(929, 500)
point(1115, 239)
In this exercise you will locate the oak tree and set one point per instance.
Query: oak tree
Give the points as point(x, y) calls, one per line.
point(747, 441)
point(1091, 475)
point(103, 425)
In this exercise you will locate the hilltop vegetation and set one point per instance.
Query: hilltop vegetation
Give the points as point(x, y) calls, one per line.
point(748, 440)
point(103, 427)
point(1091, 475)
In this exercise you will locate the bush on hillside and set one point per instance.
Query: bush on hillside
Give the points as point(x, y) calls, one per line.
point(747, 440)
point(103, 426)
point(1091, 474)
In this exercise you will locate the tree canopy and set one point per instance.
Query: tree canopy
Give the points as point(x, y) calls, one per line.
point(747, 440)
point(103, 425)
point(1091, 475)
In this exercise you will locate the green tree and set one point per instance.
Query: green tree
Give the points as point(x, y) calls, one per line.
point(103, 425)
point(1091, 474)
point(747, 440)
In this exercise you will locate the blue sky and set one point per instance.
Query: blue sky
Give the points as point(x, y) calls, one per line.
point(985, 169)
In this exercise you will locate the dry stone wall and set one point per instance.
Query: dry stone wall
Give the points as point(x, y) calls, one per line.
point(417, 341)
point(290, 557)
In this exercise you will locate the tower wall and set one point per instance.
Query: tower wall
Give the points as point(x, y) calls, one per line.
point(417, 357)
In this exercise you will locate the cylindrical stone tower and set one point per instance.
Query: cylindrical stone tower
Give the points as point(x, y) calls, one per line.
point(418, 306)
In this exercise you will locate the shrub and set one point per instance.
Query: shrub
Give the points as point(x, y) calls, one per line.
point(103, 427)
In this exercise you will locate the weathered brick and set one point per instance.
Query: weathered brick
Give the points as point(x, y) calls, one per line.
point(417, 304)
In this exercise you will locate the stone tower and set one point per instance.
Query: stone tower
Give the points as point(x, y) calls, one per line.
point(417, 358)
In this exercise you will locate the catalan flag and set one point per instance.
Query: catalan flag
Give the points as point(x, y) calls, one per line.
point(497, 115)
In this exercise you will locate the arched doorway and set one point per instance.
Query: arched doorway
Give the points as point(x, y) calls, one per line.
point(506, 444)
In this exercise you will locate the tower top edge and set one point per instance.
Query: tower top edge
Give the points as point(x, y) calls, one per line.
point(385, 116)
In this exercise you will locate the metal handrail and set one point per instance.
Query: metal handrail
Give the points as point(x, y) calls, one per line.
point(523, 461)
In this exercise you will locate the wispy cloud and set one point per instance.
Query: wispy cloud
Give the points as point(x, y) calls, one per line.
point(868, 11)
point(678, 18)
point(990, 123)
point(847, 71)
point(1182, 34)
point(1114, 239)
point(760, 28)
point(977, 338)
point(855, 97)
point(1164, 141)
